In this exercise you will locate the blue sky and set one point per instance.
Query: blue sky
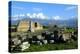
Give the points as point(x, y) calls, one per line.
point(20, 10)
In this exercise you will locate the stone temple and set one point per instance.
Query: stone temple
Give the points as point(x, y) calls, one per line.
point(24, 26)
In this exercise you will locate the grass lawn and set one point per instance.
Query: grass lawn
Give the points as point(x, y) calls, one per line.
point(69, 30)
point(47, 47)
point(51, 47)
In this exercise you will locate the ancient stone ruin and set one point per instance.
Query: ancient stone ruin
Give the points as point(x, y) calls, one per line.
point(25, 26)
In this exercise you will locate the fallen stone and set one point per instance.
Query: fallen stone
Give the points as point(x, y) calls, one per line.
point(45, 41)
point(24, 46)
point(51, 41)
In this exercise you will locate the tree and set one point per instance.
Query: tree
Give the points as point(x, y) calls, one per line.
point(55, 33)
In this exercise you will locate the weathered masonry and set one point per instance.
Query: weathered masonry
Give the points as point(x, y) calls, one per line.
point(25, 26)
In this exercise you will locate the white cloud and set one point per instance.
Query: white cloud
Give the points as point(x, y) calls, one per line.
point(20, 8)
point(15, 18)
point(62, 18)
point(56, 18)
point(37, 9)
point(21, 15)
point(74, 17)
point(37, 16)
point(70, 8)
point(18, 16)
point(29, 15)
point(42, 16)
point(34, 15)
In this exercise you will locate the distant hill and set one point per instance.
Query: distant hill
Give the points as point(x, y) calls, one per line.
point(71, 22)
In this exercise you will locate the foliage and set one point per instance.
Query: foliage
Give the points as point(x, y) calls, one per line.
point(50, 47)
